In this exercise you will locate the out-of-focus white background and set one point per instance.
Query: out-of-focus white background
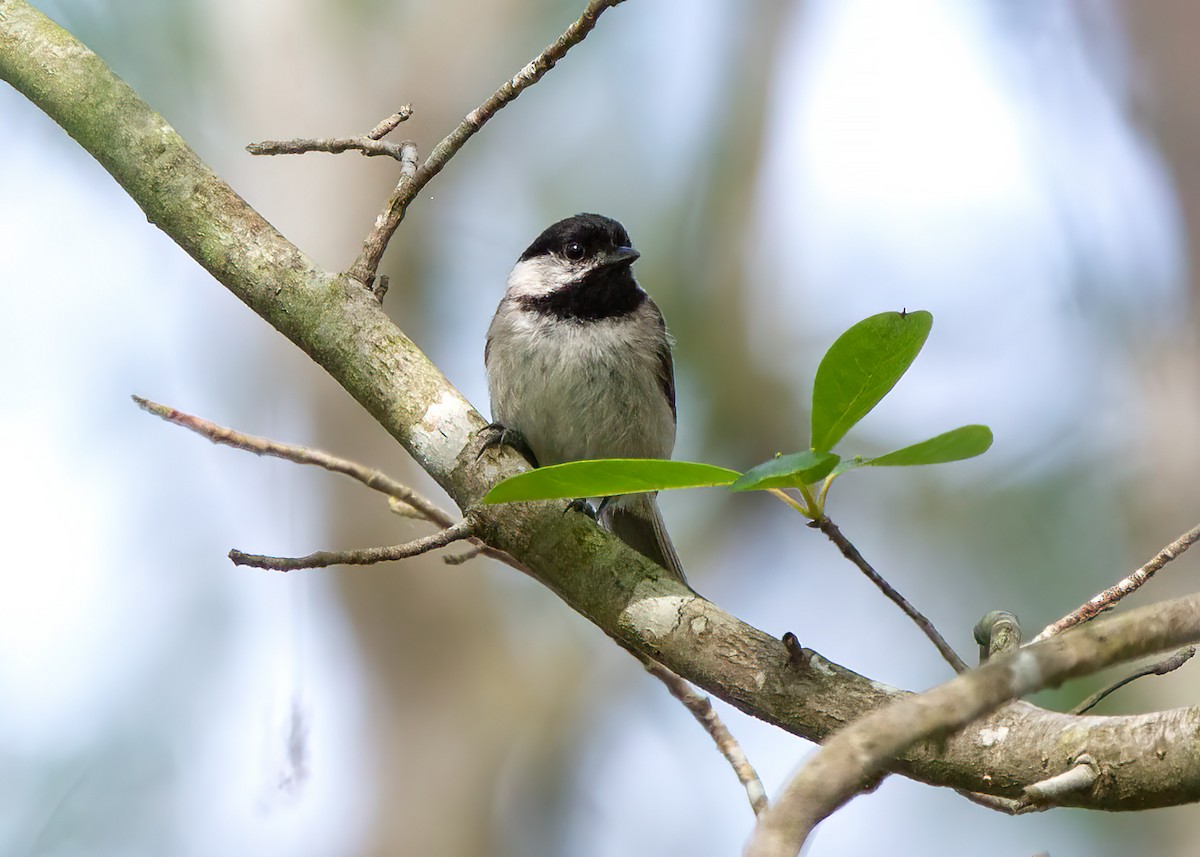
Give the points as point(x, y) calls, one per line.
point(1021, 170)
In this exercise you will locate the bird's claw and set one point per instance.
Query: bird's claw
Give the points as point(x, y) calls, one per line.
point(582, 506)
point(495, 434)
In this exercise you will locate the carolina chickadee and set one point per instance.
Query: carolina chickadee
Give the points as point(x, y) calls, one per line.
point(579, 366)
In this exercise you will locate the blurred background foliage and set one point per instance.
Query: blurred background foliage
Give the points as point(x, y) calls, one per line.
point(1023, 170)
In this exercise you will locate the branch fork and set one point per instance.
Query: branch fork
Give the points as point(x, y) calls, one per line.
point(862, 750)
point(406, 502)
point(414, 175)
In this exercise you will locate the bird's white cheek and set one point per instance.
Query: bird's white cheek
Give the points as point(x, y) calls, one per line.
point(538, 277)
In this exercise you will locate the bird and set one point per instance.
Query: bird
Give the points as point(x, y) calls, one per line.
point(579, 367)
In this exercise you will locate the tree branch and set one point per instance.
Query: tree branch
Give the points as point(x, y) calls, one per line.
point(702, 709)
point(410, 184)
point(402, 499)
point(329, 145)
point(1162, 667)
point(1109, 598)
point(370, 143)
point(850, 552)
point(862, 750)
point(464, 529)
point(373, 479)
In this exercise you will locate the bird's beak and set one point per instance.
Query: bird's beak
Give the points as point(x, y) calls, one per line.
point(620, 256)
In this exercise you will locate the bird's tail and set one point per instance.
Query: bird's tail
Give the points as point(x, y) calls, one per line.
point(635, 520)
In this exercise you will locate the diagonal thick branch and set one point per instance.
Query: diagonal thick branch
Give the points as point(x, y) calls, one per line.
point(862, 750)
point(343, 329)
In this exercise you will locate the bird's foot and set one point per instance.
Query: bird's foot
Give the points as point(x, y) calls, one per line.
point(495, 434)
point(582, 506)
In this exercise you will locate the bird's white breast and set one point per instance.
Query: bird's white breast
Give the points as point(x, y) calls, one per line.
point(580, 390)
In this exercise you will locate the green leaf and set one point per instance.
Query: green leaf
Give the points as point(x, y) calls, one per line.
point(954, 445)
point(787, 471)
point(860, 368)
point(606, 478)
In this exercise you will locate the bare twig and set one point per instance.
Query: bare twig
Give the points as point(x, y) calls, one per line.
point(331, 145)
point(409, 186)
point(460, 558)
point(390, 124)
point(373, 479)
point(1108, 599)
point(401, 499)
point(850, 552)
point(368, 556)
point(862, 750)
point(701, 708)
point(1157, 668)
point(371, 143)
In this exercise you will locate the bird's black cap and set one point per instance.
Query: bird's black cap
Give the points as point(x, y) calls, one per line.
point(595, 233)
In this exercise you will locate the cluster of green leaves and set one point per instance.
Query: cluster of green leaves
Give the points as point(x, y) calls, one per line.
point(859, 369)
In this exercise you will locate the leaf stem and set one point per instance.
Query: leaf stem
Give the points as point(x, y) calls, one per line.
point(815, 508)
point(790, 500)
point(825, 488)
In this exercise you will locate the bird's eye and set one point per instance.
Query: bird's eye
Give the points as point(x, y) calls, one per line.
point(573, 251)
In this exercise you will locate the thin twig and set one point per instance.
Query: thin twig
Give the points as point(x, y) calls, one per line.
point(331, 145)
point(1109, 598)
point(702, 709)
point(1162, 667)
point(373, 479)
point(850, 552)
point(411, 503)
point(408, 187)
point(460, 558)
point(368, 556)
point(390, 124)
point(371, 143)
